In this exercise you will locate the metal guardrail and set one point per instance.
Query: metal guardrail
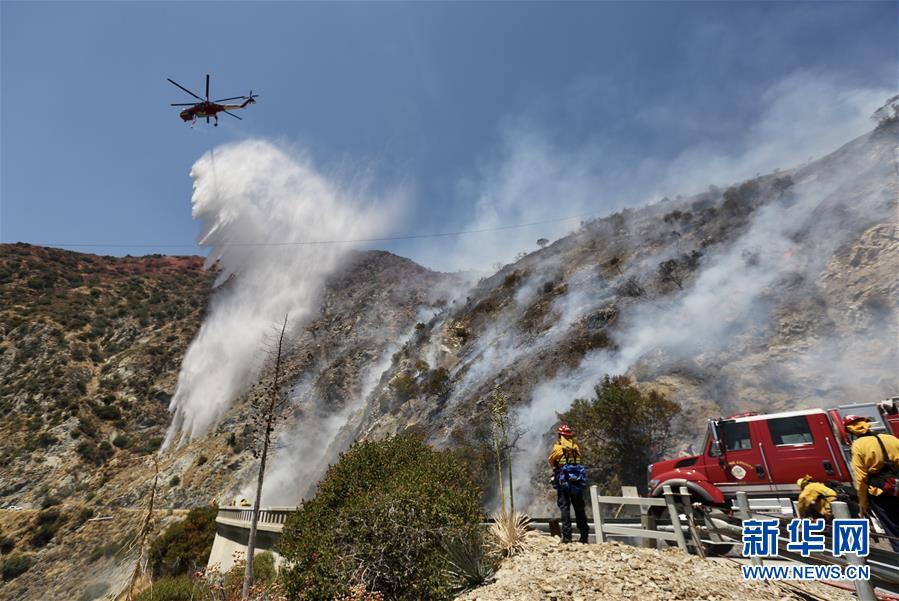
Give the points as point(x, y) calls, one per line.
point(648, 528)
point(274, 517)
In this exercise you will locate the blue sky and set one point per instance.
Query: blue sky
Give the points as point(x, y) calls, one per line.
point(443, 101)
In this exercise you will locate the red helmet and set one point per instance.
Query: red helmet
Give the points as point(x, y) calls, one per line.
point(851, 419)
point(564, 430)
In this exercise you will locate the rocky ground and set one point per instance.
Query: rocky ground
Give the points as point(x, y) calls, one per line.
point(554, 572)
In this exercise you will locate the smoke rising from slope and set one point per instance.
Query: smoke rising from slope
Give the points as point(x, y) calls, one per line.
point(534, 178)
point(794, 238)
point(248, 193)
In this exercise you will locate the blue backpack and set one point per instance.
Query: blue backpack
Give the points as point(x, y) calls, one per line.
point(572, 477)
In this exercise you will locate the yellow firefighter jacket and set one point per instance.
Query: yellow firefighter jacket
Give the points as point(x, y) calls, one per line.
point(564, 451)
point(867, 458)
point(819, 496)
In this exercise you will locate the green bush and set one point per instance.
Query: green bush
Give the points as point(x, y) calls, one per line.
point(15, 566)
point(378, 519)
point(404, 387)
point(264, 573)
point(7, 544)
point(151, 445)
point(45, 524)
point(175, 589)
point(621, 430)
point(107, 412)
point(436, 382)
point(185, 545)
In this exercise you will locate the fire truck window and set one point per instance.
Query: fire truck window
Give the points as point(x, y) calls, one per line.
point(735, 436)
point(790, 430)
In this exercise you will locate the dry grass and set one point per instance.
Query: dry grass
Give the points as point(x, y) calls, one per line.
point(509, 531)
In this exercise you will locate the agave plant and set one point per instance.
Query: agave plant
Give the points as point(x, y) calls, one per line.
point(468, 564)
point(509, 532)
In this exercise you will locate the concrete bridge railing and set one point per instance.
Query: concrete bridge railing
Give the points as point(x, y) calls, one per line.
point(232, 533)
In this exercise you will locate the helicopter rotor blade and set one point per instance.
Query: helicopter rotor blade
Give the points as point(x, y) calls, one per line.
point(232, 98)
point(207, 87)
point(183, 88)
point(184, 104)
point(233, 115)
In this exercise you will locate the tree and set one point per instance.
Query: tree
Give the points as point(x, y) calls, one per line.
point(888, 113)
point(670, 271)
point(269, 405)
point(621, 430)
point(542, 242)
point(615, 263)
point(631, 287)
point(379, 520)
point(184, 546)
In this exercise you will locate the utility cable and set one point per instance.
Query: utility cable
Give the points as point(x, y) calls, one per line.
point(313, 242)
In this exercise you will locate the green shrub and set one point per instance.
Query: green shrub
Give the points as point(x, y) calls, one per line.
point(107, 412)
point(45, 526)
point(436, 382)
point(84, 515)
point(264, 573)
point(264, 568)
point(151, 445)
point(621, 430)
point(46, 440)
point(7, 544)
point(15, 566)
point(404, 387)
point(185, 545)
point(121, 441)
point(378, 519)
point(175, 589)
point(96, 454)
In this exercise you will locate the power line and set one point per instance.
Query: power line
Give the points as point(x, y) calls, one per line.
point(312, 242)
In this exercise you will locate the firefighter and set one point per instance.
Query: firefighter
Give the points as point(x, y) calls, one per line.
point(569, 480)
point(814, 499)
point(875, 462)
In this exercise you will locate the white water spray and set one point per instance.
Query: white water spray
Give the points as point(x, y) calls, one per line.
point(259, 207)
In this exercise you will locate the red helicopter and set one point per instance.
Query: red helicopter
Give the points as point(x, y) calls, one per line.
point(207, 108)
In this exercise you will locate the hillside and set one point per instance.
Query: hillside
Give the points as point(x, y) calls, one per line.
point(91, 350)
point(776, 293)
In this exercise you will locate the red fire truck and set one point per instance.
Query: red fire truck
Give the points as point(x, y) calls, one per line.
point(764, 455)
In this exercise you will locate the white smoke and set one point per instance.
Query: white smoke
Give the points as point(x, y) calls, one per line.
point(735, 292)
point(305, 450)
point(259, 205)
point(533, 178)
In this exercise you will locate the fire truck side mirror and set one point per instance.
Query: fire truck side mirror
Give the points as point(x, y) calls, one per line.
point(717, 442)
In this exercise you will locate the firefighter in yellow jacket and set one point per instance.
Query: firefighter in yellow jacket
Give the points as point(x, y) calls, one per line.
point(875, 464)
point(814, 499)
point(569, 480)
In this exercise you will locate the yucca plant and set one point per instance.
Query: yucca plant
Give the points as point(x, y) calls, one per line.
point(509, 532)
point(469, 565)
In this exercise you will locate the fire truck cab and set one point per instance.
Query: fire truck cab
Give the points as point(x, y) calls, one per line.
point(764, 455)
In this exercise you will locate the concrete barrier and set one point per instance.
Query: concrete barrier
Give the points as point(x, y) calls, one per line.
point(232, 533)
